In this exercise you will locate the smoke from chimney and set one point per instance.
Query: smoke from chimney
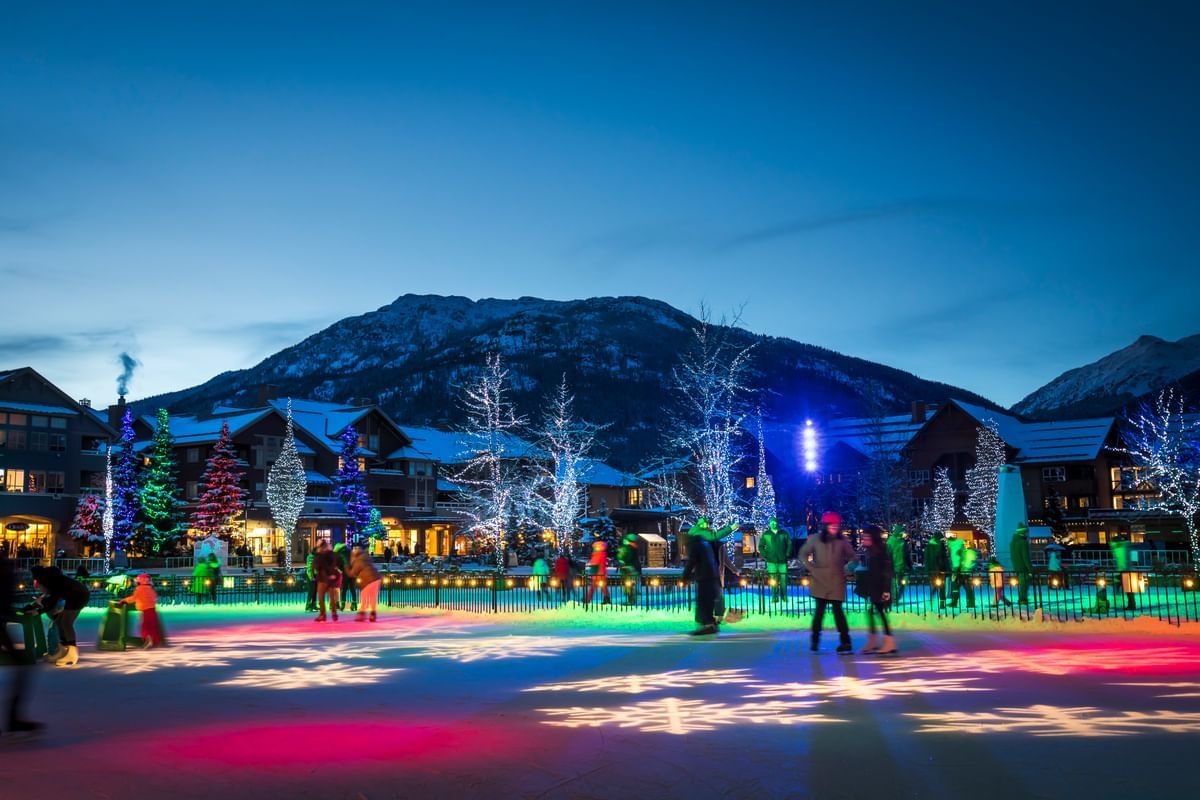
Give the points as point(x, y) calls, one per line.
point(128, 365)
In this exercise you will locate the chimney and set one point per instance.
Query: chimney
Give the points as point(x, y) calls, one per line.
point(266, 393)
point(83, 401)
point(918, 411)
point(117, 413)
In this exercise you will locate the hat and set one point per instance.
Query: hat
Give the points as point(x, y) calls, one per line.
point(897, 529)
point(831, 518)
point(143, 579)
point(630, 538)
point(339, 547)
point(599, 545)
point(1022, 529)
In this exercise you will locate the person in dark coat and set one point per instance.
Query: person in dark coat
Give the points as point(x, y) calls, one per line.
point(349, 590)
point(878, 576)
point(704, 567)
point(826, 556)
point(74, 597)
point(329, 580)
point(1018, 549)
point(936, 562)
point(18, 687)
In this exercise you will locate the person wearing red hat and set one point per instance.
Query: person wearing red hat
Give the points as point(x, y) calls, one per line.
point(826, 556)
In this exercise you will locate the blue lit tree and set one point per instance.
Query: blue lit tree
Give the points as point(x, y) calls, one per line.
point(126, 492)
point(351, 489)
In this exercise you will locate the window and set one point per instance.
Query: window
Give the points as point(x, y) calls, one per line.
point(1054, 474)
point(635, 498)
point(1083, 502)
point(13, 480)
point(749, 481)
point(37, 482)
point(39, 440)
point(18, 419)
point(3, 417)
point(373, 442)
point(1081, 472)
point(58, 442)
point(193, 455)
point(192, 490)
point(58, 423)
point(56, 482)
point(38, 421)
point(259, 489)
point(918, 476)
point(1062, 501)
point(16, 440)
point(3, 438)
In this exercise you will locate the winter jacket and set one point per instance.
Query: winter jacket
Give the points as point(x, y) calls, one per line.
point(363, 570)
point(996, 576)
point(896, 549)
point(200, 574)
point(143, 598)
point(826, 558)
point(1120, 551)
point(1018, 549)
point(955, 547)
point(562, 568)
point(775, 546)
point(627, 557)
point(935, 556)
point(327, 569)
point(703, 560)
point(308, 566)
point(969, 556)
point(598, 563)
point(57, 586)
point(878, 575)
point(541, 568)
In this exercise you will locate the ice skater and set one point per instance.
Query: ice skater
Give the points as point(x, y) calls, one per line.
point(329, 580)
point(365, 575)
point(878, 577)
point(775, 546)
point(74, 596)
point(597, 570)
point(704, 567)
point(826, 556)
point(15, 721)
point(145, 600)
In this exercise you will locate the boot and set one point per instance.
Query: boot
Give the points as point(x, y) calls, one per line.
point(321, 617)
point(704, 630)
point(70, 659)
point(815, 643)
point(333, 612)
point(844, 648)
point(57, 654)
point(872, 645)
point(889, 647)
point(361, 617)
point(372, 616)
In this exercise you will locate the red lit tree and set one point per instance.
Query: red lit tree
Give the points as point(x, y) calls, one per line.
point(88, 525)
point(223, 499)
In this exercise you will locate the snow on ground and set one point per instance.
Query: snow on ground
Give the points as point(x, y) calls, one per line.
point(263, 702)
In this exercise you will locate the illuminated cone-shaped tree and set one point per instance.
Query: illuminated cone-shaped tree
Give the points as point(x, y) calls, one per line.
point(375, 529)
point(162, 518)
point(88, 525)
point(762, 509)
point(223, 500)
point(351, 488)
point(939, 514)
point(983, 481)
point(286, 485)
point(107, 520)
point(126, 499)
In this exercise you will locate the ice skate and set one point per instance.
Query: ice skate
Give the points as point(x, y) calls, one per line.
point(888, 648)
point(360, 616)
point(845, 648)
point(704, 630)
point(872, 645)
point(373, 619)
point(320, 618)
point(70, 658)
point(57, 654)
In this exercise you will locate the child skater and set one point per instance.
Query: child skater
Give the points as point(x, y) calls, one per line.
point(145, 600)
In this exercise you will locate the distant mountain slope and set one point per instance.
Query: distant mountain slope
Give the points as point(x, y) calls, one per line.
point(617, 352)
point(1107, 385)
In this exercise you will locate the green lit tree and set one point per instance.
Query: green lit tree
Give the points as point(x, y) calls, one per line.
point(161, 502)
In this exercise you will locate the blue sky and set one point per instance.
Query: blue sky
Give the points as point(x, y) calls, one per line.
point(985, 194)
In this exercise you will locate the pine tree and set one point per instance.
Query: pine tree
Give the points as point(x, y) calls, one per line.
point(762, 509)
point(375, 529)
point(126, 501)
point(223, 499)
point(940, 513)
point(1053, 517)
point(351, 488)
point(287, 484)
point(983, 481)
point(162, 518)
point(88, 525)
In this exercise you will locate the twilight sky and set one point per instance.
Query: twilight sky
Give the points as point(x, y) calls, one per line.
point(972, 192)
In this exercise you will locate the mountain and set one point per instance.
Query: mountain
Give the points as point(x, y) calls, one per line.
point(1105, 386)
point(617, 353)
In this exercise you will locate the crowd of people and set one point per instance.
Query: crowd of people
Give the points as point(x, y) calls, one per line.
point(339, 578)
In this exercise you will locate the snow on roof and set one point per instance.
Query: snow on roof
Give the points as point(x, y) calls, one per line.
point(1037, 442)
point(446, 485)
point(598, 473)
point(450, 447)
point(315, 477)
point(192, 429)
point(866, 435)
point(36, 408)
point(410, 453)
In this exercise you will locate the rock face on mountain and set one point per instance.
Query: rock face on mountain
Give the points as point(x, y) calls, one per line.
point(617, 353)
point(1105, 386)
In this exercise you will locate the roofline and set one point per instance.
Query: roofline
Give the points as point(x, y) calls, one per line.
point(9, 375)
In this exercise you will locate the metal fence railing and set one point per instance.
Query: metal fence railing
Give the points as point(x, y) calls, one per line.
point(1067, 595)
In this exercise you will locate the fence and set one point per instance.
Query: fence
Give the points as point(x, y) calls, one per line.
point(1062, 596)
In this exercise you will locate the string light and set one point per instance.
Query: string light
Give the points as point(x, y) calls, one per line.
point(107, 517)
point(286, 487)
point(983, 481)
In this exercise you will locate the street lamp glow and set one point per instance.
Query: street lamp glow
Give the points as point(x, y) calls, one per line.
point(809, 444)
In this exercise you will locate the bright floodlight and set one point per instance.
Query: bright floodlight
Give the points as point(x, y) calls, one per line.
point(810, 446)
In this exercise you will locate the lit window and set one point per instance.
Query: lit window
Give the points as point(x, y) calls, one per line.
point(750, 482)
point(635, 498)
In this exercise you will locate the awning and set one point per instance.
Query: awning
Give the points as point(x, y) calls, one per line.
point(652, 537)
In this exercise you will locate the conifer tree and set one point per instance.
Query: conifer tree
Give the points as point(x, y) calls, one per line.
point(126, 501)
point(222, 500)
point(161, 501)
point(351, 488)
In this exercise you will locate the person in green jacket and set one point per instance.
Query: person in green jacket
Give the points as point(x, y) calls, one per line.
point(897, 549)
point(312, 582)
point(775, 546)
point(200, 577)
point(935, 566)
point(630, 567)
point(1130, 583)
point(349, 590)
point(962, 559)
point(1018, 548)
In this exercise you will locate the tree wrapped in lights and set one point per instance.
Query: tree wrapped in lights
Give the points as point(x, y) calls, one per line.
point(762, 509)
point(126, 497)
point(162, 520)
point(494, 481)
point(222, 500)
point(351, 488)
point(568, 442)
point(88, 524)
point(939, 514)
point(107, 519)
point(1052, 515)
point(706, 428)
point(375, 529)
point(1164, 440)
point(286, 487)
point(983, 481)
